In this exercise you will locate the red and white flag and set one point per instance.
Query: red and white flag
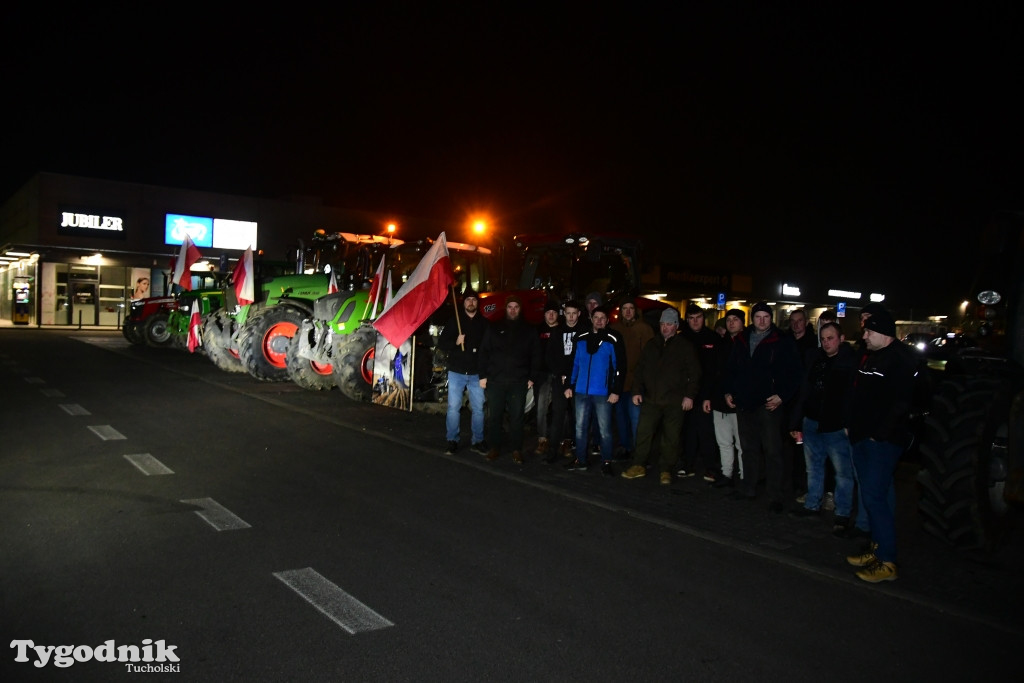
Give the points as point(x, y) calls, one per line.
point(375, 286)
point(420, 296)
point(188, 255)
point(244, 279)
point(195, 337)
point(332, 286)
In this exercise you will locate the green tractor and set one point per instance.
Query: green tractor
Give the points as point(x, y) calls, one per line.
point(255, 338)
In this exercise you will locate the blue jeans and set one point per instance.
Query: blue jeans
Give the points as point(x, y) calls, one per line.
point(457, 383)
point(875, 462)
point(627, 419)
point(588, 405)
point(836, 447)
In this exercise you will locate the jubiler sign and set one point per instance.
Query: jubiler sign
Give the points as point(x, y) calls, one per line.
point(94, 223)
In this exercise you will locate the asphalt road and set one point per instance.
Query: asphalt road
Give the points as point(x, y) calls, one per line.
point(269, 533)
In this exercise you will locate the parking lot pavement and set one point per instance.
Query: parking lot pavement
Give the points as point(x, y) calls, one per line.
point(989, 590)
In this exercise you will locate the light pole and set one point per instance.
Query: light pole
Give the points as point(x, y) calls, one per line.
point(480, 228)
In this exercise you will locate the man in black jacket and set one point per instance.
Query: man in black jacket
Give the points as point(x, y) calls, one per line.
point(461, 339)
point(762, 375)
point(700, 447)
point(509, 364)
point(559, 354)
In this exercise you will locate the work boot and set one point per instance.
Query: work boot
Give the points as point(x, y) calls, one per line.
point(517, 457)
point(878, 572)
point(634, 472)
point(542, 446)
point(865, 559)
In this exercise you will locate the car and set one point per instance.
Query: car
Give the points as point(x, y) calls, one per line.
point(919, 340)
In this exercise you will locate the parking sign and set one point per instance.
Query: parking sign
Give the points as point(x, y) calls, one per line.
point(841, 309)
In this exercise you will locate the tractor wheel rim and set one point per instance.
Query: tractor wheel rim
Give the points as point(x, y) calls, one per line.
point(278, 334)
point(366, 367)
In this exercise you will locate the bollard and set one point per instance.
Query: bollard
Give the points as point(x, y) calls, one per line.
point(119, 317)
point(79, 320)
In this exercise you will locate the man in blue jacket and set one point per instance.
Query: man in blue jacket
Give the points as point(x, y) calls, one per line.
point(763, 373)
point(595, 384)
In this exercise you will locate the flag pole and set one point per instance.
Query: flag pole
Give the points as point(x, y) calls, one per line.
point(458, 322)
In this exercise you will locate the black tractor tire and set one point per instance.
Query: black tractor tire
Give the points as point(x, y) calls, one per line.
point(132, 333)
point(264, 339)
point(155, 330)
point(353, 363)
point(306, 373)
point(217, 330)
point(962, 455)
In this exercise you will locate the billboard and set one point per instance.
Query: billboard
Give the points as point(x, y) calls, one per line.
point(199, 228)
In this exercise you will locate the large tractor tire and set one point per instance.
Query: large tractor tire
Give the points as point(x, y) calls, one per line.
point(217, 330)
point(353, 363)
point(155, 330)
point(964, 463)
point(132, 333)
point(264, 339)
point(306, 373)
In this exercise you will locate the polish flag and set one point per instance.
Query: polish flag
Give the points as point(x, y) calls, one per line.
point(244, 279)
point(375, 285)
point(332, 286)
point(188, 255)
point(195, 338)
point(420, 296)
point(387, 296)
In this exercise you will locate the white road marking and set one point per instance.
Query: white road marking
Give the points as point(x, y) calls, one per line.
point(216, 515)
point(147, 464)
point(35, 380)
point(334, 603)
point(105, 342)
point(107, 433)
point(74, 409)
point(52, 393)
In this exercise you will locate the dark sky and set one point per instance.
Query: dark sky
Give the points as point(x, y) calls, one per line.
point(736, 135)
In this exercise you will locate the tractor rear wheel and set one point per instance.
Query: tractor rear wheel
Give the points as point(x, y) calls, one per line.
point(155, 330)
point(218, 328)
point(353, 363)
point(263, 342)
point(307, 373)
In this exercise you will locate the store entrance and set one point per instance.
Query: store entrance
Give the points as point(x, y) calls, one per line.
point(84, 309)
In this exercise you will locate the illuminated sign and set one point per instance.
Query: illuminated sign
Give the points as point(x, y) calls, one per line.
point(198, 228)
point(877, 297)
point(842, 293)
point(228, 234)
point(90, 223)
point(790, 290)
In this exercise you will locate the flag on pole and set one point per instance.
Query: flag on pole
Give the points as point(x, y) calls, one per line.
point(244, 279)
point(332, 286)
point(195, 337)
point(420, 296)
point(387, 295)
point(188, 255)
point(375, 285)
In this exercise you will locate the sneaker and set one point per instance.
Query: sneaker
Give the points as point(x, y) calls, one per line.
point(542, 446)
point(864, 559)
point(607, 470)
point(684, 474)
point(451, 448)
point(480, 447)
point(634, 472)
point(710, 476)
point(517, 457)
point(829, 502)
point(803, 513)
point(576, 466)
point(878, 571)
point(666, 477)
point(801, 498)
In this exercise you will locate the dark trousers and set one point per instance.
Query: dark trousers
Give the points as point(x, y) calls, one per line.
point(700, 447)
point(561, 408)
point(669, 418)
point(761, 440)
point(502, 396)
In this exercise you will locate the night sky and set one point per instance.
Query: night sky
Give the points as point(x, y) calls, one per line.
point(845, 138)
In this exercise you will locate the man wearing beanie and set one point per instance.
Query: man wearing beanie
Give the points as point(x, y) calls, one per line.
point(727, 432)
point(461, 339)
point(879, 431)
point(560, 352)
point(700, 449)
point(593, 300)
point(762, 374)
point(546, 331)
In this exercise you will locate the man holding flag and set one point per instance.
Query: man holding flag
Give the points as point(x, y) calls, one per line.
point(460, 340)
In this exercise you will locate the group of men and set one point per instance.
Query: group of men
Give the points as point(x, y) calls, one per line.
point(736, 405)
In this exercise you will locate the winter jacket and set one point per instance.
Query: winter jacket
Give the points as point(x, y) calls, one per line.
point(826, 390)
point(723, 349)
point(465, 360)
point(883, 392)
point(668, 371)
point(704, 343)
point(634, 335)
point(596, 365)
point(774, 368)
point(510, 351)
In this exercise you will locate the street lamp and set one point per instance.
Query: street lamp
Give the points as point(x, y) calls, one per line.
point(480, 228)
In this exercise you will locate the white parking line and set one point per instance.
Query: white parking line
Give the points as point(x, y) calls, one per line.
point(73, 409)
point(216, 515)
point(334, 603)
point(107, 433)
point(147, 464)
point(52, 393)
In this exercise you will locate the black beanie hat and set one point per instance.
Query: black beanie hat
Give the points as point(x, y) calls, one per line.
point(761, 306)
point(881, 322)
point(553, 306)
point(469, 292)
point(738, 312)
point(693, 309)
